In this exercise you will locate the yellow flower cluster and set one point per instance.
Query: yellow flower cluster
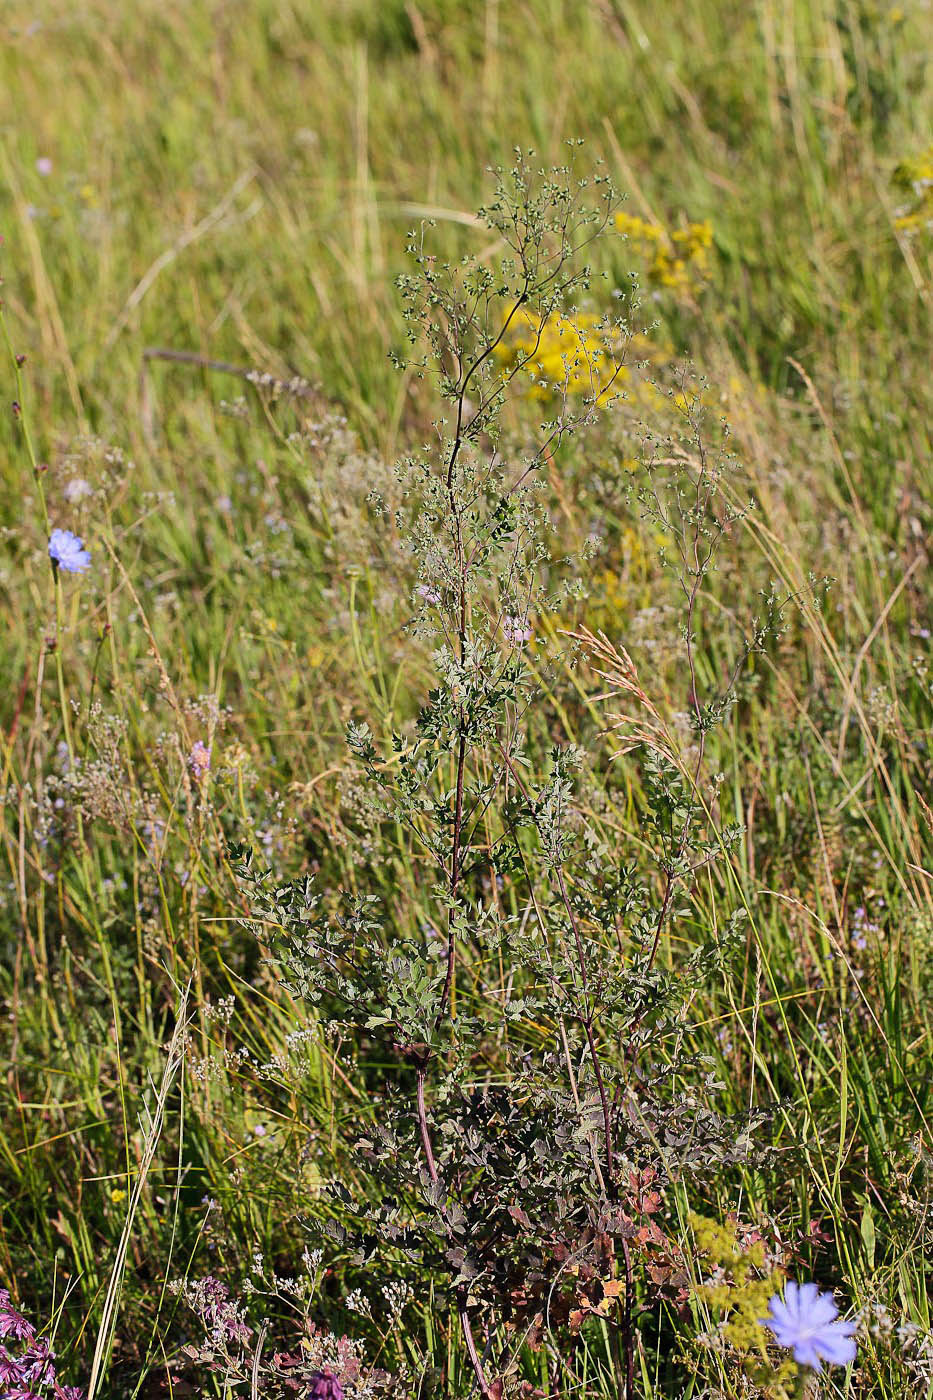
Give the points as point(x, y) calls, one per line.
point(915, 178)
point(630, 584)
point(626, 588)
point(740, 1285)
point(676, 261)
point(580, 355)
point(562, 353)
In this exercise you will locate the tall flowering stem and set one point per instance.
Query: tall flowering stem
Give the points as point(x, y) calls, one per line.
point(20, 413)
point(457, 790)
point(542, 232)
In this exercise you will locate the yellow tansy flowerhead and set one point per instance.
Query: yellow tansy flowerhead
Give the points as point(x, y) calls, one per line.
point(560, 354)
point(915, 178)
point(676, 261)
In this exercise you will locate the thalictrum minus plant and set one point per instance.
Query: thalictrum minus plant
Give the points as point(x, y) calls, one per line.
point(532, 1191)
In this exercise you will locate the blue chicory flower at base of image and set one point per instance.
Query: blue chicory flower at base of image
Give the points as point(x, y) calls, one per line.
point(68, 552)
point(806, 1321)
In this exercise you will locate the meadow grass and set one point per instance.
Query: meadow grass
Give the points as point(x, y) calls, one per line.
point(236, 183)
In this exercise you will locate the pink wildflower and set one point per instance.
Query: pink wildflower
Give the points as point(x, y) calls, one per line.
point(199, 760)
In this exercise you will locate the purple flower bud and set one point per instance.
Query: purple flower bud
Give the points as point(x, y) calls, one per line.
point(325, 1386)
point(516, 631)
point(214, 1291)
point(11, 1372)
point(39, 1363)
point(12, 1323)
point(199, 760)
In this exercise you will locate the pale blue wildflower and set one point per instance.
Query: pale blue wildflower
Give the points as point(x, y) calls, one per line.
point(68, 552)
point(805, 1321)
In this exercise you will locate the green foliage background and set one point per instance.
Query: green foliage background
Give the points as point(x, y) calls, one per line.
point(236, 180)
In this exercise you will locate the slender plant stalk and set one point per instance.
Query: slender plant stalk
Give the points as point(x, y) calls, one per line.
point(152, 1132)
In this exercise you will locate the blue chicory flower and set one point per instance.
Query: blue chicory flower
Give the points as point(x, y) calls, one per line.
point(68, 552)
point(804, 1320)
